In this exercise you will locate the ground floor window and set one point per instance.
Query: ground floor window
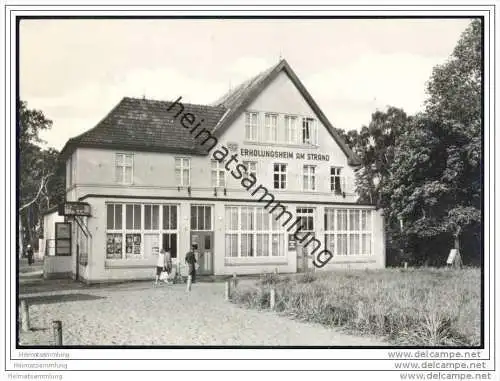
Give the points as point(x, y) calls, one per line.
point(147, 229)
point(348, 231)
point(252, 232)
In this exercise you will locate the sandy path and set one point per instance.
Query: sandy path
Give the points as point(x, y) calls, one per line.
point(143, 315)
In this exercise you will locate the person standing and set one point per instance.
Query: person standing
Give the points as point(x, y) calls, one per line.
point(191, 262)
point(161, 265)
point(168, 264)
point(29, 251)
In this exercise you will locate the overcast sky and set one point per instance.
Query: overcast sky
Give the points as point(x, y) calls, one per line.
point(75, 71)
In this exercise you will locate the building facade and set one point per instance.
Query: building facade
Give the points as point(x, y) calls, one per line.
point(225, 177)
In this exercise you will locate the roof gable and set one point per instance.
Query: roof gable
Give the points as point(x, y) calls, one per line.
point(242, 96)
point(148, 125)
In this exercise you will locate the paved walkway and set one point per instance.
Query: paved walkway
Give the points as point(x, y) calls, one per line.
point(138, 314)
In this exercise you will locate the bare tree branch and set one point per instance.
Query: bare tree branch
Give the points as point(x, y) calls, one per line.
point(42, 183)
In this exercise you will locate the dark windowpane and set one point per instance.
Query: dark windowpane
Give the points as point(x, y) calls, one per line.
point(156, 216)
point(193, 218)
point(137, 217)
point(208, 242)
point(129, 216)
point(173, 217)
point(166, 217)
point(208, 218)
point(118, 216)
point(110, 212)
point(147, 217)
point(170, 243)
point(200, 219)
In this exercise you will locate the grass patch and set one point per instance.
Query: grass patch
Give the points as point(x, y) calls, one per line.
point(431, 307)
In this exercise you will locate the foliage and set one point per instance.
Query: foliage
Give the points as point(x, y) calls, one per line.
point(40, 176)
point(411, 307)
point(425, 170)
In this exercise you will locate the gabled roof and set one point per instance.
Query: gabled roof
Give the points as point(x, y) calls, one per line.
point(147, 125)
point(242, 96)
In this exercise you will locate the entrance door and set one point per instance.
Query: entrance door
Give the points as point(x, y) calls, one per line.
point(304, 257)
point(204, 241)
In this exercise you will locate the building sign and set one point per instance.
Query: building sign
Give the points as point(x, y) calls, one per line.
point(292, 243)
point(63, 238)
point(74, 209)
point(233, 147)
point(274, 154)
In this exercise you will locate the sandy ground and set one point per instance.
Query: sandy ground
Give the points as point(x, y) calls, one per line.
point(139, 314)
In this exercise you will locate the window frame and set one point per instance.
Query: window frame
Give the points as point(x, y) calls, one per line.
point(248, 165)
point(142, 231)
point(220, 173)
point(365, 236)
point(252, 126)
point(309, 178)
point(341, 180)
point(122, 165)
point(282, 175)
point(291, 134)
point(204, 227)
point(254, 231)
point(181, 168)
point(271, 130)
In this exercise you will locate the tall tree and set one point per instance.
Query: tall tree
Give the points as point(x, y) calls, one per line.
point(40, 176)
point(435, 183)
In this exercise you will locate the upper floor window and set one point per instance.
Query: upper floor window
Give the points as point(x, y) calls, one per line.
point(69, 173)
point(124, 164)
point(335, 180)
point(309, 178)
point(251, 125)
point(182, 171)
point(279, 176)
point(290, 129)
point(218, 174)
point(251, 167)
point(309, 131)
point(271, 128)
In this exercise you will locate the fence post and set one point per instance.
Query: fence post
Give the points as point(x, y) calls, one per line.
point(57, 328)
point(406, 265)
point(25, 316)
point(272, 298)
point(235, 280)
point(228, 290)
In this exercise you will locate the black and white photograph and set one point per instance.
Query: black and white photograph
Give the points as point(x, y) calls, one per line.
point(260, 183)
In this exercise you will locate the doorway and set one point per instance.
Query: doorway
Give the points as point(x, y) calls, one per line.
point(204, 251)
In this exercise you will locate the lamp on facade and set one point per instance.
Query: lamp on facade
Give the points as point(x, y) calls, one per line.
point(343, 194)
point(189, 190)
point(225, 192)
point(178, 189)
point(215, 192)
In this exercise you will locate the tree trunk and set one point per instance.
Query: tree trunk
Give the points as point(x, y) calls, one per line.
point(457, 263)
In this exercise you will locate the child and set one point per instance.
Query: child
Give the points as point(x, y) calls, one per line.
point(161, 265)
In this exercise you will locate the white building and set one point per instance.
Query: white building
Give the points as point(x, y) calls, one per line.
point(169, 174)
